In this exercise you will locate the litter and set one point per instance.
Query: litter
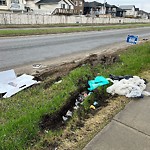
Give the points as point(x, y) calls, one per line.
point(95, 103)
point(80, 98)
point(69, 113)
point(77, 103)
point(145, 39)
point(36, 66)
point(98, 81)
point(113, 77)
point(90, 93)
point(85, 94)
point(58, 82)
point(132, 87)
point(132, 39)
point(76, 107)
point(92, 107)
point(10, 84)
point(46, 131)
point(64, 118)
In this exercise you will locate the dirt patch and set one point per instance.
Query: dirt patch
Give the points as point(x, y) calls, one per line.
point(145, 75)
point(105, 60)
point(55, 73)
point(55, 121)
point(76, 140)
point(79, 132)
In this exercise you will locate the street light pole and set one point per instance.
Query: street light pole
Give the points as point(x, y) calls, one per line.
point(104, 7)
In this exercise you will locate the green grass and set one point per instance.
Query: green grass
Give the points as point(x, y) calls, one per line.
point(39, 31)
point(20, 115)
point(61, 25)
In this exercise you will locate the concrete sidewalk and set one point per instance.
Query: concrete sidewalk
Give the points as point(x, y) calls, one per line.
point(129, 129)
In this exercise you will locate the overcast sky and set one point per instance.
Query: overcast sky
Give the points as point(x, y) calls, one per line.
point(142, 4)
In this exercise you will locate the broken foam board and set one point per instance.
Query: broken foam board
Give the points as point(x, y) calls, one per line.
point(10, 84)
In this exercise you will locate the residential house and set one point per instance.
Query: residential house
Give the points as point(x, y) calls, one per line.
point(137, 12)
point(65, 7)
point(113, 10)
point(130, 10)
point(12, 6)
point(93, 8)
point(79, 6)
point(103, 9)
point(120, 12)
point(144, 15)
point(110, 9)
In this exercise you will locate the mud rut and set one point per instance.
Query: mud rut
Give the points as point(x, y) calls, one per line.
point(54, 121)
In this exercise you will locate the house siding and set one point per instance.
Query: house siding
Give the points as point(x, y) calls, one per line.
point(48, 8)
point(5, 7)
point(13, 6)
point(79, 5)
point(130, 12)
point(31, 4)
point(66, 5)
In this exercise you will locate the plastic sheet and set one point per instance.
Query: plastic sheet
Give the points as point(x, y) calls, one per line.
point(98, 81)
point(133, 87)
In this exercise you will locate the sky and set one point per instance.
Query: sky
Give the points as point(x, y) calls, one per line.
point(141, 4)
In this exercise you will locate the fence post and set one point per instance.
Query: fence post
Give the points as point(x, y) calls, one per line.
point(4, 18)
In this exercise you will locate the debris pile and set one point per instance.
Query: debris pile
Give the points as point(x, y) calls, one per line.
point(130, 86)
point(78, 101)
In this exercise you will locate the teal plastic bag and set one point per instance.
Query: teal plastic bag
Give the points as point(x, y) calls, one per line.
point(98, 81)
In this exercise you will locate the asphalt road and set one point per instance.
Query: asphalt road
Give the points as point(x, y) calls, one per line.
point(16, 51)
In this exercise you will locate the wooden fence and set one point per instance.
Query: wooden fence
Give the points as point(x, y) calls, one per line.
point(10, 18)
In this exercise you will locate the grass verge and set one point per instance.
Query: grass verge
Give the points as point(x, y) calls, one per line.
point(39, 31)
point(21, 114)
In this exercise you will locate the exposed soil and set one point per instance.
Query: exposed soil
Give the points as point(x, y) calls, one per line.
point(55, 73)
point(54, 121)
point(82, 130)
point(78, 134)
point(76, 140)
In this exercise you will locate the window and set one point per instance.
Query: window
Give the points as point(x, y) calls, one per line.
point(114, 9)
point(81, 12)
point(2, 2)
point(63, 6)
point(80, 3)
point(76, 3)
point(15, 1)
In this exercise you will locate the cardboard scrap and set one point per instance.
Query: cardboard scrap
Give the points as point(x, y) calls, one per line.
point(10, 84)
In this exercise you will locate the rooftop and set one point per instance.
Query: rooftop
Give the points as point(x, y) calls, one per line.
point(126, 7)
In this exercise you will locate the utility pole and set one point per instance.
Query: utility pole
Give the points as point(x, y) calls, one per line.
point(104, 7)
